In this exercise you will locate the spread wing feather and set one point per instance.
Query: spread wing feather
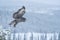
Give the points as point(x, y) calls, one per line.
point(19, 14)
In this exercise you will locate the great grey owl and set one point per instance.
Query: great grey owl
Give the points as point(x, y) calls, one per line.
point(18, 16)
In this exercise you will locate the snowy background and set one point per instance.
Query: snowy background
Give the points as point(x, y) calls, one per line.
point(41, 15)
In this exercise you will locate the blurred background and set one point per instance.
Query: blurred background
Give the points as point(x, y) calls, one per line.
point(41, 15)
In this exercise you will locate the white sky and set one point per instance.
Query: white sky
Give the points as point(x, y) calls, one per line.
point(54, 2)
point(51, 2)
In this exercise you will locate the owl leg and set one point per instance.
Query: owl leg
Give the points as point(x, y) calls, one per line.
point(15, 23)
point(12, 22)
